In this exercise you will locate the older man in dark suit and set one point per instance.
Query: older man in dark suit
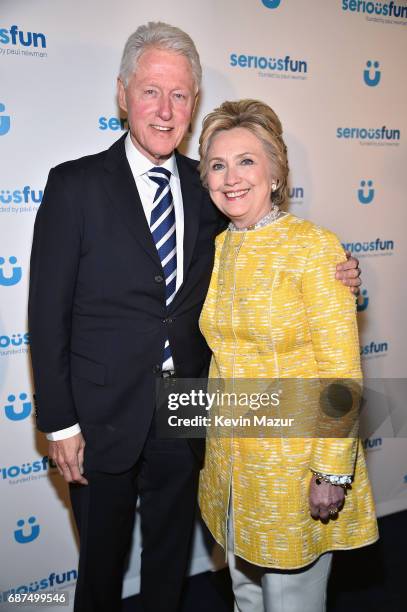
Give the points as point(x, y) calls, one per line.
point(127, 237)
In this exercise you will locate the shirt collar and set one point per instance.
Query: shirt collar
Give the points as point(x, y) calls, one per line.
point(140, 165)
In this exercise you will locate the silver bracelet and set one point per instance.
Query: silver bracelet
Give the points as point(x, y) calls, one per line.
point(342, 481)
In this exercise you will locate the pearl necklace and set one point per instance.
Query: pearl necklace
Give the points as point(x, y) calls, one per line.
point(274, 214)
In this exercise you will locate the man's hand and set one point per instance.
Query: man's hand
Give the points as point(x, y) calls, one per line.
point(349, 273)
point(68, 455)
point(325, 500)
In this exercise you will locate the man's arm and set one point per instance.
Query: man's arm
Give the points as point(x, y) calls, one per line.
point(54, 264)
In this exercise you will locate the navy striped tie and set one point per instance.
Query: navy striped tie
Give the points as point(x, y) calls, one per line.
point(162, 226)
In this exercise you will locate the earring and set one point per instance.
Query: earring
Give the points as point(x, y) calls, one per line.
point(273, 186)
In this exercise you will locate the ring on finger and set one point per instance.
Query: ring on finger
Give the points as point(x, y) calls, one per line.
point(333, 511)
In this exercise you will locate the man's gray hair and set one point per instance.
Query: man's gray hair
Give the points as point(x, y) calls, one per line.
point(157, 34)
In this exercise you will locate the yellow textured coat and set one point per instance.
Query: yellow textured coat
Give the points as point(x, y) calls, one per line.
point(275, 310)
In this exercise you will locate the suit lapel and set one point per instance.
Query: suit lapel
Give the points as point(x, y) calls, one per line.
point(122, 191)
point(192, 200)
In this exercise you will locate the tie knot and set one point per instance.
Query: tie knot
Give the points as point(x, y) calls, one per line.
point(159, 175)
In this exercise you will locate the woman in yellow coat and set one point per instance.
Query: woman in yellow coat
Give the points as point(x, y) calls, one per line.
point(275, 311)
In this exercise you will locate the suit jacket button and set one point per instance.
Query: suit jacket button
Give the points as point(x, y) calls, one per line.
point(158, 278)
point(157, 369)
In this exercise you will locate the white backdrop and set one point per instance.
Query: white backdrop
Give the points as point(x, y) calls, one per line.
point(334, 71)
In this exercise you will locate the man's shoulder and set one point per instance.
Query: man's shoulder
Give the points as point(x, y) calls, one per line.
point(89, 163)
point(186, 161)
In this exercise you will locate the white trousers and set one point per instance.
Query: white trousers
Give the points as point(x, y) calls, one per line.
point(259, 589)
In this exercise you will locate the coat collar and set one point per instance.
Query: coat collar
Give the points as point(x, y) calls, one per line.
point(122, 190)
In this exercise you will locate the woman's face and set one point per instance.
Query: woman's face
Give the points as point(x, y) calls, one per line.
point(240, 176)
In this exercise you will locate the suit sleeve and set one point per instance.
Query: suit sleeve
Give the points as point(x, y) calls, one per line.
point(54, 265)
point(331, 314)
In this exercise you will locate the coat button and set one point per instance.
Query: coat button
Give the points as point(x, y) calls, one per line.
point(157, 369)
point(158, 278)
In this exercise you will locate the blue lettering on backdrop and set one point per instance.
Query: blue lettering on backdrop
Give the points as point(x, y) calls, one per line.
point(26, 39)
point(370, 246)
point(374, 348)
point(14, 340)
point(368, 133)
point(280, 64)
point(384, 9)
point(17, 196)
point(113, 123)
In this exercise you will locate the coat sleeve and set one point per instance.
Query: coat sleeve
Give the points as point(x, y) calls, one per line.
point(54, 265)
point(331, 315)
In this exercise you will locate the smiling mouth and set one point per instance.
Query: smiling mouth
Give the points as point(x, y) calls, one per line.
point(236, 195)
point(161, 128)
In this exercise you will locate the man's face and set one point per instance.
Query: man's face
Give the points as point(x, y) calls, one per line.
point(159, 100)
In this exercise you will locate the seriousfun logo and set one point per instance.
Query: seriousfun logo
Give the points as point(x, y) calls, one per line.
point(113, 123)
point(24, 197)
point(10, 345)
point(17, 474)
point(381, 9)
point(372, 78)
point(17, 41)
point(370, 136)
point(41, 584)
point(271, 4)
point(4, 121)
point(17, 413)
point(372, 443)
point(366, 192)
point(296, 195)
point(362, 301)
point(25, 534)
point(13, 276)
point(273, 67)
point(370, 248)
point(374, 349)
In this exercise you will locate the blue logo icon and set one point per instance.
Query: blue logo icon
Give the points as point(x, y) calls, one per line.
point(33, 534)
point(370, 80)
point(17, 272)
point(22, 412)
point(362, 301)
point(366, 197)
point(4, 121)
point(271, 3)
point(26, 39)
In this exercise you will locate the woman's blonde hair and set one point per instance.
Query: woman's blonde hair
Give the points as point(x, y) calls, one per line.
point(259, 119)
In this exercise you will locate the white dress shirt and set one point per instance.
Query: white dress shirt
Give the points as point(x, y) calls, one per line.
point(140, 165)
